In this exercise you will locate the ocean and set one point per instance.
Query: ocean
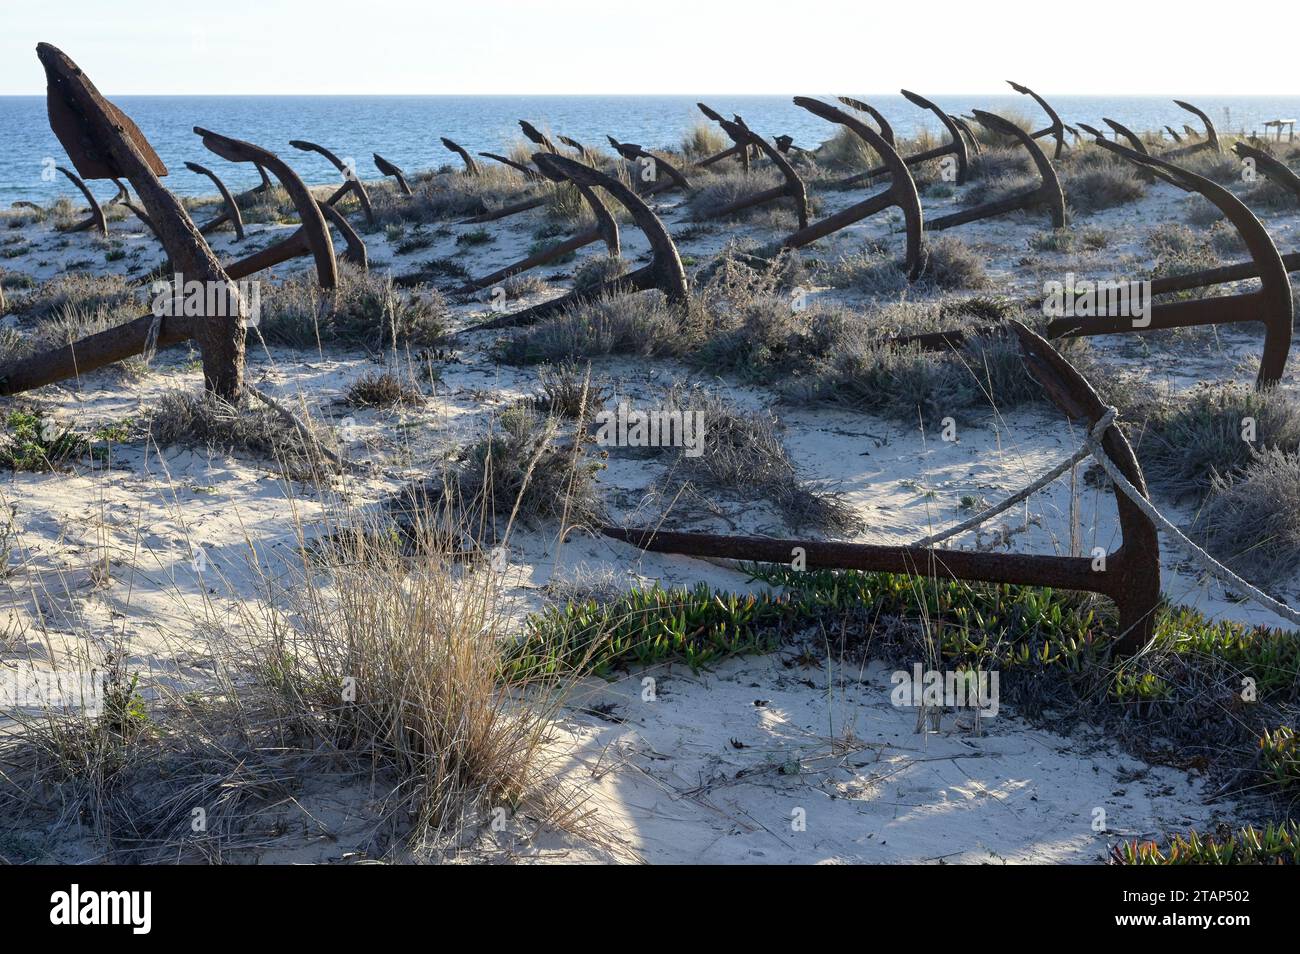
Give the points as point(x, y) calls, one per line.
point(406, 129)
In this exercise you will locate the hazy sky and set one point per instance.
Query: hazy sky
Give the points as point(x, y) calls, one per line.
point(650, 46)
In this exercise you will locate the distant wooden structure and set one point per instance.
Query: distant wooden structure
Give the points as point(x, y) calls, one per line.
point(1278, 124)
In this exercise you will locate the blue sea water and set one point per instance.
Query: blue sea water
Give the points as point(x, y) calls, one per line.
point(406, 129)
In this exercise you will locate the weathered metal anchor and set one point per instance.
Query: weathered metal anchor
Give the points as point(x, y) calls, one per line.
point(664, 272)
point(793, 187)
point(231, 213)
point(1056, 129)
point(1211, 140)
point(1131, 578)
point(901, 192)
point(471, 167)
point(386, 168)
point(351, 181)
point(955, 147)
point(103, 143)
point(605, 229)
point(1272, 304)
point(1047, 194)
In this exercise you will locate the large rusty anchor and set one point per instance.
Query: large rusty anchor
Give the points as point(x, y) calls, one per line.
point(1047, 194)
point(1211, 140)
point(1271, 304)
point(664, 272)
point(1274, 169)
point(955, 147)
point(471, 167)
point(1131, 578)
point(605, 229)
point(95, 220)
point(103, 143)
point(652, 165)
point(528, 172)
point(231, 213)
point(351, 181)
point(792, 188)
point(386, 168)
point(901, 192)
point(1056, 129)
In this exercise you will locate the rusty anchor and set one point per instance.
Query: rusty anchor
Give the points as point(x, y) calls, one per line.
point(471, 167)
point(955, 147)
point(1134, 140)
point(587, 155)
point(95, 220)
point(1131, 578)
point(1056, 129)
point(386, 168)
point(792, 188)
point(605, 229)
point(886, 130)
point(231, 213)
point(654, 164)
point(741, 146)
point(901, 192)
point(1274, 169)
point(1048, 194)
point(1174, 133)
point(1211, 140)
point(351, 181)
point(103, 143)
point(537, 137)
point(972, 140)
point(1271, 304)
point(529, 173)
point(664, 272)
point(312, 231)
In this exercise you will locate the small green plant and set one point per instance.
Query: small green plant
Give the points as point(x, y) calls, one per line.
point(383, 389)
point(1280, 755)
point(475, 237)
point(1275, 845)
point(644, 626)
point(34, 443)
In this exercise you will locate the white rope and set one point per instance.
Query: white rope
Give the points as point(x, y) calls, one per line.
point(1084, 450)
point(1199, 556)
point(1091, 446)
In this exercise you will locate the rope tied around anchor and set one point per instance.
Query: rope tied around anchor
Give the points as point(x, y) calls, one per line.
point(1091, 447)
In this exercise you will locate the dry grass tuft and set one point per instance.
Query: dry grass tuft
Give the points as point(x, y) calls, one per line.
point(382, 389)
point(1251, 520)
point(743, 458)
point(203, 420)
point(640, 324)
point(521, 471)
point(366, 310)
point(952, 264)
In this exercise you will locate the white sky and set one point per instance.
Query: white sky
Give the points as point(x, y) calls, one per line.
point(1100, 47)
